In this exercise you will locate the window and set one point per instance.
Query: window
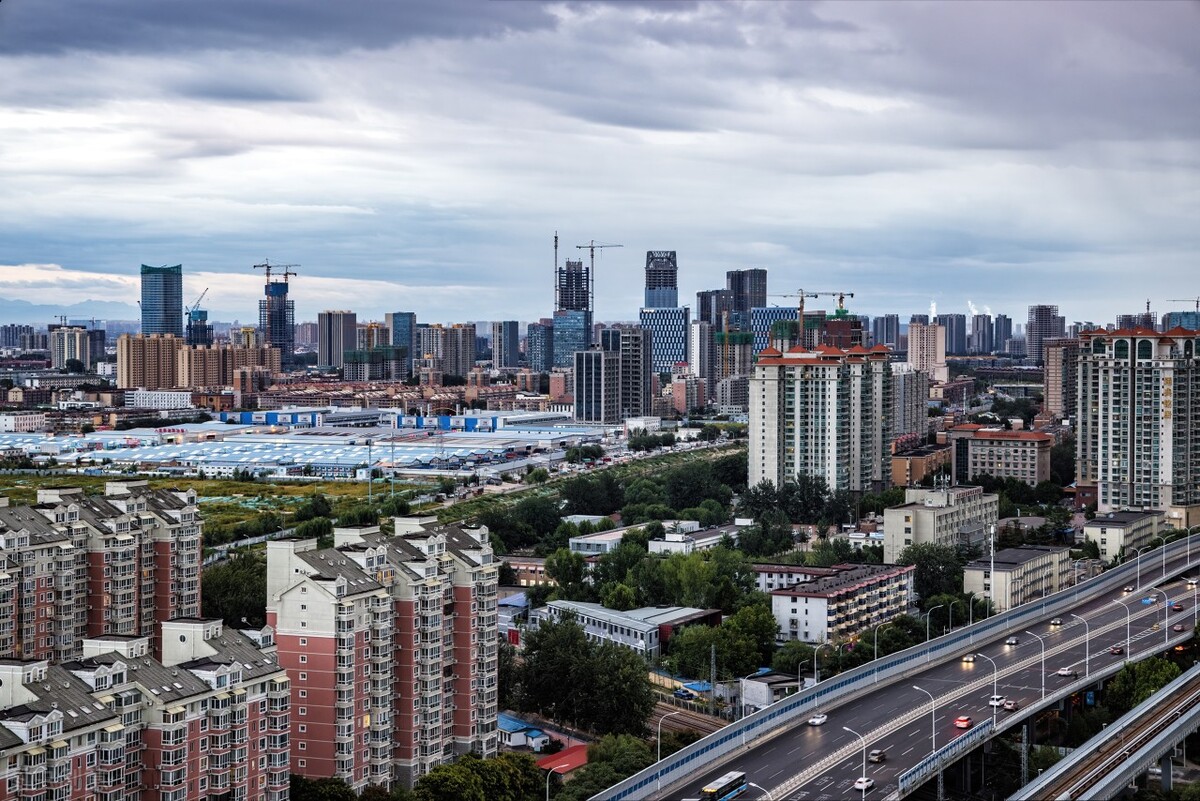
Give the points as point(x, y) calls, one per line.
point(304, 659)
point(303, 640)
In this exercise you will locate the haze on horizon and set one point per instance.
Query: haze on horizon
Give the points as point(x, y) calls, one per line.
point(421, 155)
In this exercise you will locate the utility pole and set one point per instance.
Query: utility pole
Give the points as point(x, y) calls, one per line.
point(712, 690)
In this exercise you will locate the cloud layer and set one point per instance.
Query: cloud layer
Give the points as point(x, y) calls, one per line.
point(421, 155)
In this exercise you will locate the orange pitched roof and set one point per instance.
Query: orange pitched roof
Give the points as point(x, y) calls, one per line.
point(566, 760)
point(769, 351)
point(858, 349)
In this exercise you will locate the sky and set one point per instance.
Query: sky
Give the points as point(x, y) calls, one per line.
point(420, 155)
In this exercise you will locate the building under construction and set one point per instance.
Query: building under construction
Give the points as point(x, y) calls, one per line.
point(277, 314)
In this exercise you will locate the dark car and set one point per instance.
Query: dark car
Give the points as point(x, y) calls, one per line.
point(877, 755)
point(684, 693)
point(1116, 649)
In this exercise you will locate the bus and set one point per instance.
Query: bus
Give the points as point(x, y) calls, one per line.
point(731, 785)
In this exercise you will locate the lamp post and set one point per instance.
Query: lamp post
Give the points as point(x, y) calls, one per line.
point(951, 605)
point(816, 668)
point(660, 723)
point(1128, 642)
point(762, 789)
point(876, 628)
point(932, 719)
point(928, 617)
point(995, 683)
point(1042, 643)
point(863, 740)
point(1166, 611)
point(370, 475)
point(550, 773)
point(1087, 635)
point(1164, 554)
point(971, 609)
point(1137, 561)
point(742, 692)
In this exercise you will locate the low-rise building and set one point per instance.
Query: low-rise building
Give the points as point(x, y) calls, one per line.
point(765, 688)
point(1019, 575)
point(1023, 455)
point(818, 604)
point(910, 467)
point(1118, 533)
point(644, 630)
point(22, 422)
point(683, 539)
point(955, 516)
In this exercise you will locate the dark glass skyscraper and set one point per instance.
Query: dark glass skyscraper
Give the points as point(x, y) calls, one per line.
point(749, 288)
point(662, 279)
point(573, 288)
point(277, 321)
point(403, 326)
point(162, 300)
point(539, 346)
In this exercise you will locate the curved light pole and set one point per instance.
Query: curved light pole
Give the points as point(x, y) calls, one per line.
point(660, 723)
point(995, 683)
point(951, 605)
point(1164, 554)
point(971, 609)
point(1166, 611)
point(551, 772)
point(1042, 643)
point(1087, 635)
point(928, 617)
point(816, 668)
point(876, 628)
point(1137, 561)
point(764, 790)
point(863, 740)
point(932, 719)
point(1128, 641)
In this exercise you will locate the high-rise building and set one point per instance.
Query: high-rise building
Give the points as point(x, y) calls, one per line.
point(763, 320)
point(572, 332)
point(10, 334)
point(573, 287)
point(307, 335)
point(1002, 332)
point(927, 350)
point(1138, 427)
point(147, 362)
point(713, 304)
point(219, 365)
point(597, 380)
point(822, 413)
point(506, 344)
point(67, 344)
point(841, 330)
point(458, 349)
point(199, 330)
point(635, 376)
point(378, 363)
point(403, 326)
point(981, 334)
point(956, 332)
point(277, 320)
point(662, 279)
point(701, 342)
point(1186, 319)
point(885, 330)
point(923, 319)
point(1146, 319)
point(372, 335)
point(733, 355)
point(1061, 376)
point(668, 336)
point(910, 402)
point(748, 288)
point(1044, 323)
point(390, 644)
point(337, 332)
point(162, 300)
point(539, 346)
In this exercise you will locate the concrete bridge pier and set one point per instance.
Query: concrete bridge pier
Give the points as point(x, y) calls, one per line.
point(1164, 765)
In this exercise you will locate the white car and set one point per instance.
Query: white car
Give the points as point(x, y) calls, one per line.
point(818, 719)
point(996, 700)
point(864, 783)
point(1067, 671)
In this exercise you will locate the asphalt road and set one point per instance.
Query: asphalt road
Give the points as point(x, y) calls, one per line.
point(898, 718)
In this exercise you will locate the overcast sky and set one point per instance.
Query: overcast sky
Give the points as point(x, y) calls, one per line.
point(420, 155)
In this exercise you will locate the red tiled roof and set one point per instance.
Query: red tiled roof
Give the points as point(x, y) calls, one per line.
point(566, 760)
point(769, 351)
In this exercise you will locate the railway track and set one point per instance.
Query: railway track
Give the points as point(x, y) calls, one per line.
point(685, 719)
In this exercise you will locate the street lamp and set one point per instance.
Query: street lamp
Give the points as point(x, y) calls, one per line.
point(550, 773)
point(995, 683)
point(1128, 642)
point(952, 603)
point(1087, 634)
point(660, 723)
point(1137, 560)
point(1166, 610)
point(764, 790)
point(863, 740)
point(1164, 553)
point(932, 719)
point(876, 627)
point(816, 668)
point(928, 617)
point(1042, 643)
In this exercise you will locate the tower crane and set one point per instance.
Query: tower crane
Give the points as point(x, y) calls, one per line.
point(591, 247)
point(801, 295)
point(268, 267)
point(196, 305)
point(1195, 300)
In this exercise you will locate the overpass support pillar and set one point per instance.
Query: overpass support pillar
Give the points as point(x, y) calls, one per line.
point(1164, 765)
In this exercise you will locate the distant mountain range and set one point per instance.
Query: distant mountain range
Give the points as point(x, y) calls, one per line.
point(41, 314)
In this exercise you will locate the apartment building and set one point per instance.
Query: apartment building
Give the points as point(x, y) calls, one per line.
point(1019, 575)
point(208, 721)
point(816, 605)
point(218, 365)
point(391, 646)
point(1061, 376)
point(1138, 440)
point(976, 450)
point(1119, 533)
point(927, 350)
point(22, 422)
point(824, 412)
point(645, 631)
point(82, 566)
point(148, 361)
point(954, 516)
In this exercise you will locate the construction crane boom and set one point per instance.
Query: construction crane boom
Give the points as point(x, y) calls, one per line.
point(1195, 300)
point(591, 247)
point(801, 294)
point(268, 268)
point(196, 305)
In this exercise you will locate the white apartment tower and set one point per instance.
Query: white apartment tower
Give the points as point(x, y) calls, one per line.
point(927, 350)
point(823, 412)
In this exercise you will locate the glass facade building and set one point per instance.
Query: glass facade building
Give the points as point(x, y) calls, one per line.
point(162, 300)
point(572, 332)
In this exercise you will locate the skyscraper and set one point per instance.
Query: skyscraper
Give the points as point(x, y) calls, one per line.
point(572, 332)
point(539, 346)
point(662, 279)
point(981, 334)
point(668, 336)
point(1138, 441)
point(506, 344)
point(199, 330)
point(597, 392)
point(337, 332)
point(956, 332)
point(763, 319)
point(748, 287)
point(633, 345)
point(927, 350)
point(885, 330)
point(1002, 332)
point(1061, 376)
point(1044, 323)
point(403, 326)
point(277, 319)
point(1146, 319)
point(573, 287)
point(162, 300)
point(712, 304)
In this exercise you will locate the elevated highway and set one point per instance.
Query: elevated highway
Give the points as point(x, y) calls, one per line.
point(906, 704)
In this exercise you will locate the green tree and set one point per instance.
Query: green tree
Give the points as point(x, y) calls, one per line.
point(328, 789)
point(620, 597)
point(455, 781)
point(569, 570)
point(507, 675)
point(557, 665)
point(733, 470)
point(937, 568)
point(759, 625)
point(1137, 681)
point(793, 658)
point(645, 491)
point(507, 777)
point(236, 590)
point(619, 698)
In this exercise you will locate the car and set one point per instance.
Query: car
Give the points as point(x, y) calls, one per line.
point(684, 693)
point(1011, 705)
point(968, 657)
point(1012, 641)
point(1180, 648)
point(877, 755)
point(963, 722)
point(1177, 627)
point(1176, 607)
point(1128, 588)
point(1150, 601)
point(864, 783)
point(1192, 582)
point(1117, 650)
point(818, 719)
point(996, 700)
point(1056, 621)
point(1068, 671)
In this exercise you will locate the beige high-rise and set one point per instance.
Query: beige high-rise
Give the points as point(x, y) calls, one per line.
point(927, 350)
point(147, 362)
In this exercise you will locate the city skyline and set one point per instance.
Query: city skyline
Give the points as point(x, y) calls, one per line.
point(423, 156)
